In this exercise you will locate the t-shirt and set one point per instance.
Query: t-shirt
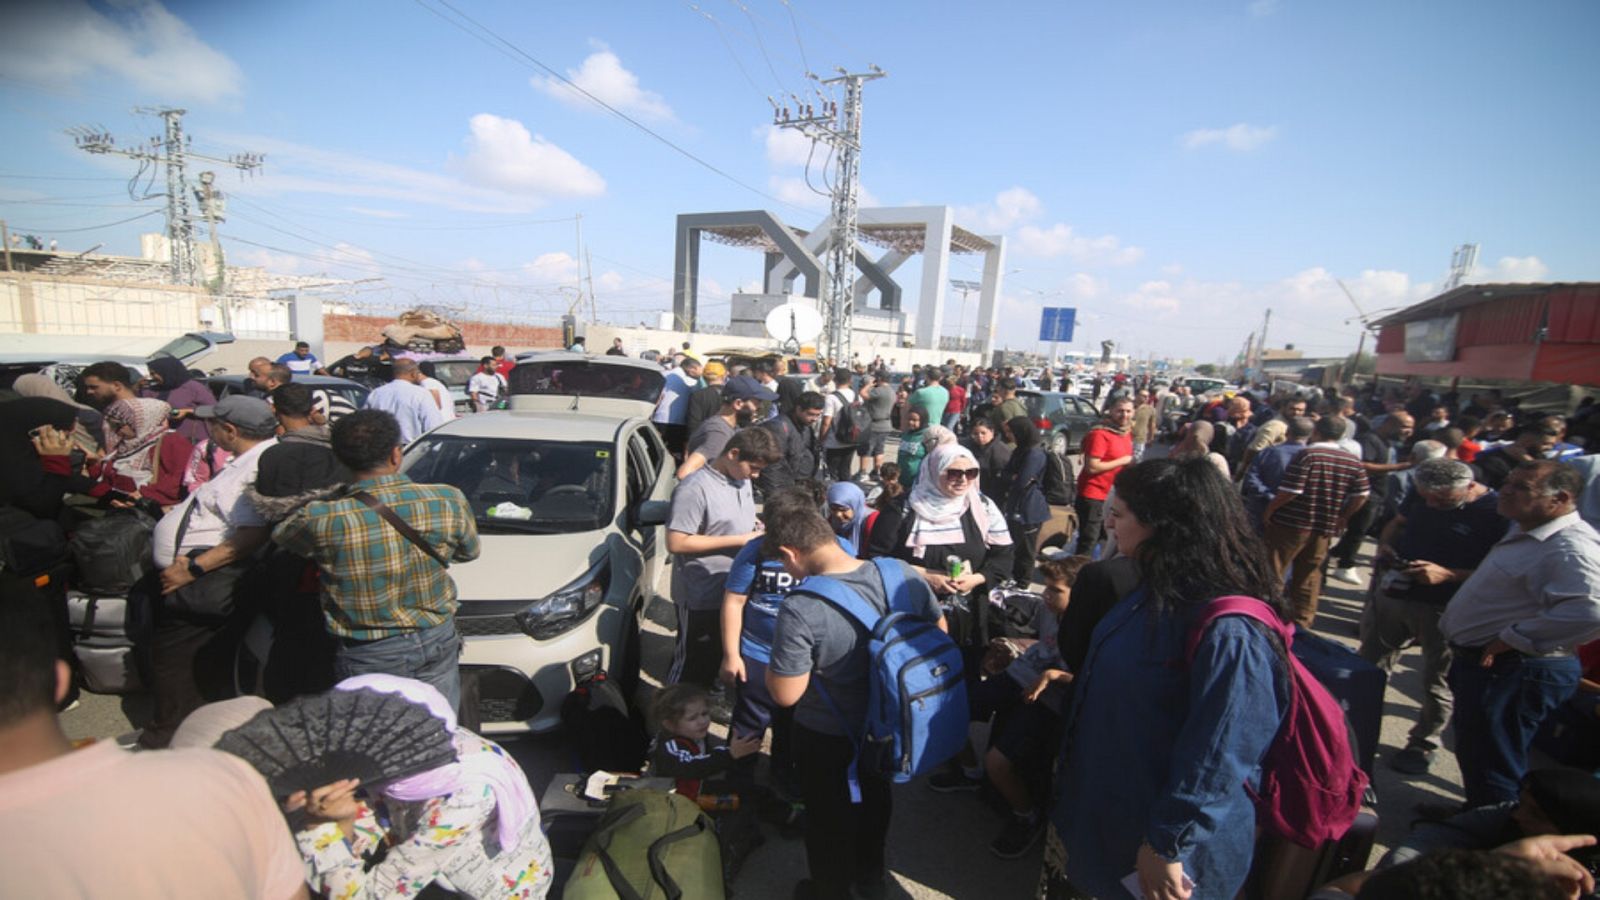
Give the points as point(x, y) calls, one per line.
point(765, 583)
point(1102, 444)
point(1323, 479)
point(708, 502)
point(441, 396)
point(300, 366)
point(673, 407)
point(932, 400)
point(958, 400)
point(484, 388)
point(1455, 539)
point(1043, 653)
point(221, 506)
point(836, 405)
point(709, 439)
point(169, 824)
point(880, 406)
point(817, 637)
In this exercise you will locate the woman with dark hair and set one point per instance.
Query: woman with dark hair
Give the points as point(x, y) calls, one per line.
point(30, 429)
point(992, 454)
point(1164, 746)
point(172, 384)
point(1025, 505)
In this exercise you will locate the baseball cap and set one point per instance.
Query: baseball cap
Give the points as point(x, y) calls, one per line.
point(244, 412)
point(743, 387)
point(689, 356)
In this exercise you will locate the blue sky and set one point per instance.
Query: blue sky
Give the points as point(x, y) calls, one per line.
point(1170, 169)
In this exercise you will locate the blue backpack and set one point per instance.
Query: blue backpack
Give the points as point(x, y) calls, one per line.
point(917, 702)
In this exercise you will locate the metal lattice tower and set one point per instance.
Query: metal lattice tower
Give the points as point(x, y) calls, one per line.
point(1462, 262)
point(839, 127)
point(171, 151)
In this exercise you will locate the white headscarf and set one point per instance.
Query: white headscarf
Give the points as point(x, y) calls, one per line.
point(939, 512)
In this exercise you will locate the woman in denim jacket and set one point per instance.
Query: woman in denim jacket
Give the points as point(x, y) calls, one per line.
point(1161, 754)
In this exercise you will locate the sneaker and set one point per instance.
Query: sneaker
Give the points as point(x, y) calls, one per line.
point(1346, 574)
point(1018, 837)
point(951, 780)
point(1412, 761)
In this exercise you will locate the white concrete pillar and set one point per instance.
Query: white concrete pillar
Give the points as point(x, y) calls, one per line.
point(994, 261)
point(935, 276)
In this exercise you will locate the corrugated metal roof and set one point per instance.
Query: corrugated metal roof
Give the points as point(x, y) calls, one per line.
point(1470, 295)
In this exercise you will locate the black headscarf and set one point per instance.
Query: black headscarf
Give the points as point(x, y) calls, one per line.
point(22, 481)
point(1024, 432)
point(172, 371)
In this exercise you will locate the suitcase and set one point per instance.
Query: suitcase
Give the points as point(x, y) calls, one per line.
point(104, 639)
point(1357, 684)
point(1283, 870)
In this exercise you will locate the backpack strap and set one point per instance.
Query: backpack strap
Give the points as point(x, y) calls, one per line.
point(846, 600)
point(1237, 605)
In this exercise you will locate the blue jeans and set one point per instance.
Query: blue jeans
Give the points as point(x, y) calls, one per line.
point(429, 655)
point(1497, 712)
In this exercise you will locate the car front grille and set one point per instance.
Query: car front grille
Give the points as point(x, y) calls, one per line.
point(486, 626)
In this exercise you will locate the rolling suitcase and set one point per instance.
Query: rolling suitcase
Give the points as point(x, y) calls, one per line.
point(1283, 870)
point(1357, 684)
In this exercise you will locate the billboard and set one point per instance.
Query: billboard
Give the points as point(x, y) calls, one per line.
point(1432, 340)
point(1056, 322)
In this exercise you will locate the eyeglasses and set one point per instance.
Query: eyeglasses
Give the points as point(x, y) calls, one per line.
point(959, 474)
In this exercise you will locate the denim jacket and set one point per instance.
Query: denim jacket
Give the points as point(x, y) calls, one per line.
point(1165, 753)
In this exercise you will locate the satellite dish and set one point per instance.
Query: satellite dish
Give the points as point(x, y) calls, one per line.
point(794, 324)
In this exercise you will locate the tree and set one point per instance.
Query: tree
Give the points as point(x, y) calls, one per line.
point(1360, 364)
point(1209, 370)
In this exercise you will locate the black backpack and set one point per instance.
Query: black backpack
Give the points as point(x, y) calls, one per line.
point(852, 422)
point(29, 545)
point(600, 729)
point(1059, 488)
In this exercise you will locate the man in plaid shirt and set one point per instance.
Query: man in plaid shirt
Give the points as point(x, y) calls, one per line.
point(1322, 488)
point(388, 602)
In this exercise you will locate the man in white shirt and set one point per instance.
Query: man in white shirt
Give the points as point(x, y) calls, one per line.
point(406, 400)
point(203, 546)
point(485, 386)
point(839, 454)
point(174, 824)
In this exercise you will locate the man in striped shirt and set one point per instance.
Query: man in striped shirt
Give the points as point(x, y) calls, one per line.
point(1322, 488)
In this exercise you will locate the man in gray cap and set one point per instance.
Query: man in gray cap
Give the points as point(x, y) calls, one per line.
point(204, 546)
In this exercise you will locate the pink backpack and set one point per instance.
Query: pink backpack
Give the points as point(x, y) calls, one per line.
point(1311, 788)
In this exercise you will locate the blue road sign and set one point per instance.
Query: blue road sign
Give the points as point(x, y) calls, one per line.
point(1055, 323)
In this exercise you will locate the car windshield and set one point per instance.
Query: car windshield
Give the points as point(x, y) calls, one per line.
point(182, 347)
point(531, 486)
point(455, 373)
point(580, 377)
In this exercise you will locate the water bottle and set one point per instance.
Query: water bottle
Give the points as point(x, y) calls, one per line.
point(718, 802)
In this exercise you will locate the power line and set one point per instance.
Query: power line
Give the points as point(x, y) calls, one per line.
point(722, 36)
point(755, 32)
point(60, 177)
point(488, 37)
point(89, 227)
point(793, 23)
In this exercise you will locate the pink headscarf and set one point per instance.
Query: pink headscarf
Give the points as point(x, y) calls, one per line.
point(491, 765)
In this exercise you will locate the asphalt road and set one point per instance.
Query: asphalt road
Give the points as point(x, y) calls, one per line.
point(937, 842)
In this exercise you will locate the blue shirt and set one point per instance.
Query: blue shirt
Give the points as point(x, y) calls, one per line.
point(1268, 468)
point(765, 583)
point(411, 405)
point(298, 365)
point(1164, 752)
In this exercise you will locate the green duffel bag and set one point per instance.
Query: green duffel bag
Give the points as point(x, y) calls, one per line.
point(649, 845)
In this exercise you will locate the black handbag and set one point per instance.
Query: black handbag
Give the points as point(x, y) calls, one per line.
point(210, 596)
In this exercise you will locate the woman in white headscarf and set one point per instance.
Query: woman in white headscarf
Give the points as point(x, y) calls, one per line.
point(472, 825)
point(952, 532)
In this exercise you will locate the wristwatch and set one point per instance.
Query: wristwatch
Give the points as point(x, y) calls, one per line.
point(195, 569)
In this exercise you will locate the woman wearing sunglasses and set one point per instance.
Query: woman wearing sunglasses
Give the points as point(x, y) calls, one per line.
point(946, 519)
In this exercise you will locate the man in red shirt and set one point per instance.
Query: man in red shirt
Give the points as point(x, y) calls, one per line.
point(957, 404)
point(503, 364)
point(1107, 448)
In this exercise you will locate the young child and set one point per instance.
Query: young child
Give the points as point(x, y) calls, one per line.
point(683, 749)
point(1024, 690)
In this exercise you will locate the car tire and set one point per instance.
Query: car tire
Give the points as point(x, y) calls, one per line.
point(1060, 441)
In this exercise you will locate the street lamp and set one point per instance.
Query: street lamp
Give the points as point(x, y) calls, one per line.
point(965, 287)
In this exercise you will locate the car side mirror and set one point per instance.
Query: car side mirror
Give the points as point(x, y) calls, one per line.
point(652, 513)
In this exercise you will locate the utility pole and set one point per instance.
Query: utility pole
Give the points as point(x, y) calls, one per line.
point(1260, 362)
point(171, 150)
point(841, 129)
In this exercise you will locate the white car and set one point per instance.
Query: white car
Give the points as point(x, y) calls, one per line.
point(570, 487)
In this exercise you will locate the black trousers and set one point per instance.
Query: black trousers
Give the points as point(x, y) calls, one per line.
point(698, 655)
point(1343, 553)
point(844, 840)
point(840, 460)
point(1025, 544)
point(191, 664)
point(1091, 518)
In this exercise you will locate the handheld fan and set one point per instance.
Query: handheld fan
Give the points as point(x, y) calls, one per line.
point(361, 734)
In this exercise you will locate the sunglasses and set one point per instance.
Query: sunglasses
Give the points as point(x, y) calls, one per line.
point(959, 474)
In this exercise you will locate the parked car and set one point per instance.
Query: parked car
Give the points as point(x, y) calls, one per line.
point(1063, 419)
point(354, 391)
point(570, 487)
point(190, 348)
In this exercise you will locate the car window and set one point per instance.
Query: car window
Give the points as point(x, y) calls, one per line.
point(180, 347)
point(455, 372)
point(640, 470)
point(536, 486)
point(568, 378)
point(654, 448)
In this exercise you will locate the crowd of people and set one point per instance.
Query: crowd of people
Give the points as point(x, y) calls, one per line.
point(1128, 724)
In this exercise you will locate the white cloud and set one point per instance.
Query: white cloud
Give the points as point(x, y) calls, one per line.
point(1009, 208)
point(1242, 137)
point(609, 281)
point(501, 154)
point(1511, 269)
point(136, 41)
point(1155, 297)
point(553, 267)
point(1061, 240)
point(603, 75)
point(1263, 7)
point(787, 147)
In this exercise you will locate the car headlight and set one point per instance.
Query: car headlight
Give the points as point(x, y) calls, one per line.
point(561, 611)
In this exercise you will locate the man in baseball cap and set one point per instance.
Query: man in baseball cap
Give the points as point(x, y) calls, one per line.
point(742, 397)
point(248, 414)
